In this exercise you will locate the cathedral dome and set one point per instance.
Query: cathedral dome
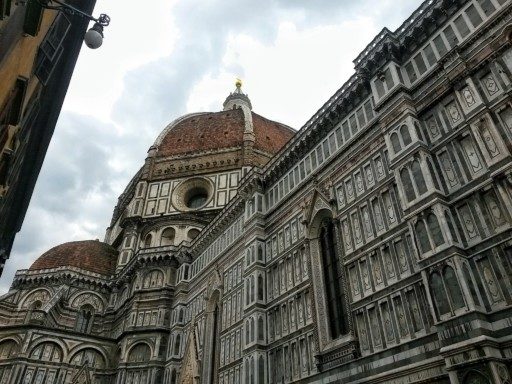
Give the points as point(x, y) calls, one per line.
point(234, 127)
point(212, 131)
point(90, 255)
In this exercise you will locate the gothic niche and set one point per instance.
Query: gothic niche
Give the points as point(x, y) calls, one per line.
point(329, 278)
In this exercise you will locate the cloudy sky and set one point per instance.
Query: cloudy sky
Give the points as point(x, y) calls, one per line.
point(168, 58)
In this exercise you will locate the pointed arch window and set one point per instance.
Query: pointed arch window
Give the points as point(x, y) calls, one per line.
point(335, 296)
point(406, 136)
point(177, 345)
point(260, 329)
point(84, 319)
point(435, 229)
point(439, 294)
point(260, 287)
point(410, 195)
point(422, 236)
point(395, 142)
point(453, 288)
point(471, 285)
point(417, 174)
point(261, 370)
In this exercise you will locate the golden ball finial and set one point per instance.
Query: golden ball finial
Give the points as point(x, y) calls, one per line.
point(238, 83)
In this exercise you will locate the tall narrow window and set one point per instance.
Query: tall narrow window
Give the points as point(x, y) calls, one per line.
point(84, 319)
point(417, 174)
point(435, 229)
point(332, 278)
point(395, 142)
point(422, 236)
point(260, 329)
point(439, 294)
point(406, 136)
point(214, 354)
point(261, 370)
point(407, 184)
point(177, 345)
point(173, 377)
point(260, 287)
point(452, 285)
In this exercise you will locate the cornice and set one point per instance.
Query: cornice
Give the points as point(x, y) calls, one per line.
point(71, 276)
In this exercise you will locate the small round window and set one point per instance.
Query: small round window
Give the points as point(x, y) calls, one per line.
point(196, 198)
point(192, 194)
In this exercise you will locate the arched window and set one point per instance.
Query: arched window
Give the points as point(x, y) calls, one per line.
point(452, 285)
point(439, 294)
point(435, 229)
point(252, 381)
point(139, 353)
point(417, 174)
point(471, 285)
point(174, 379)
point(334, 293)
point(247, 292)
point(260, 252)
point(252, 288)
point(395, 142)
point(261, 370)
point(147, 240)
point(181, 314)
point(252, 328)
point(247, 332)
point(260, 287)
point(422, 236)
point(177, 345)
point(260, 328)
point(410, 195)
point(168, 236)
point(248, 257)
point(448, 217)
point(419, 131)
point(247, 371)
point(84, 318)
point(406, 136)
point(193, 233)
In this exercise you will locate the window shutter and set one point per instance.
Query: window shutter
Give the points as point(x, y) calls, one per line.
point(33, 16)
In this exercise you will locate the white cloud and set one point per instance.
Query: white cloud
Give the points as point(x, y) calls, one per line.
point(180, 56)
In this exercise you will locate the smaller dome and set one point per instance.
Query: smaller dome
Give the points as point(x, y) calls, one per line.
point(90, 255)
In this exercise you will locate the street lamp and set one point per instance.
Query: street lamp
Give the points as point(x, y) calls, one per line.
point(94, 36)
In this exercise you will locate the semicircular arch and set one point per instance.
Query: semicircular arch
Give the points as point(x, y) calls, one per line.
point(39, 294)
point(88, 297)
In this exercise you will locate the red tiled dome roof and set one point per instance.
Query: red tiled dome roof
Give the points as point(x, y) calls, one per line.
point(218, 130)
point(90, 255)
